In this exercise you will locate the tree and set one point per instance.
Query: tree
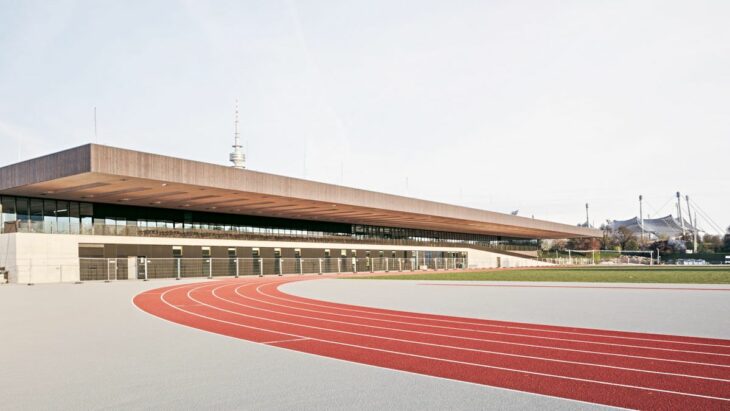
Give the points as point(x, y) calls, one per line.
point(625, 239)
point(712, 243)
point(558, 245)
point(726, 240)
point(583, 244)
point(607, 241)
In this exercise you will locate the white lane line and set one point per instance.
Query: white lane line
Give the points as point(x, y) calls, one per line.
point(500, 353)
point(162, 298)
point(517, 334)
point(284, 341)
point(499, 333)
point(426, 317)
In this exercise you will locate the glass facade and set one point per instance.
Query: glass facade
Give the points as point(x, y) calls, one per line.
point(21, 214)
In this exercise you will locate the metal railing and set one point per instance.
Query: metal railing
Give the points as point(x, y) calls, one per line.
point(112, 269)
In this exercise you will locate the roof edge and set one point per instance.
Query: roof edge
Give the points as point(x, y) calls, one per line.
point(61, 164)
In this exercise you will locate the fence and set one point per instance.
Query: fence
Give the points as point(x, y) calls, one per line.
point(111, 269)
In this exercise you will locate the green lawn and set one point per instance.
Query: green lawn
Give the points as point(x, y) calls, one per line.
point(679, 275)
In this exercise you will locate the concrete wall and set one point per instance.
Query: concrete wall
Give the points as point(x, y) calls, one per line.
point(41, 258)
point(485, 259)
point(7, 253)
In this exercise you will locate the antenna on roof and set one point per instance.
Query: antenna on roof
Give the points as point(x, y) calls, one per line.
point(237, 157)
point(96, 137)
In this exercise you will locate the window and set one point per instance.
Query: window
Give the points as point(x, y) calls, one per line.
point(7, 215)
point(74, 218)
point(86, 211)
point(62, 216)
point(36, 216)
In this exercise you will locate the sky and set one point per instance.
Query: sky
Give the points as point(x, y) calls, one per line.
point(536, 106)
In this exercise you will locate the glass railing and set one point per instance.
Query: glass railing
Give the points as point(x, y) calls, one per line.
point(46, 227)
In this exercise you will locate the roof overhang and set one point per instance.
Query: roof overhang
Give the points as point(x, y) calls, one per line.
point(103, 174)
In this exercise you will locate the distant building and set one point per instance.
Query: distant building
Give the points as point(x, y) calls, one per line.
point(655, 228)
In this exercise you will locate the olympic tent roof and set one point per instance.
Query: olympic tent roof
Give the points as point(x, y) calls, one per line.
point(667, 226)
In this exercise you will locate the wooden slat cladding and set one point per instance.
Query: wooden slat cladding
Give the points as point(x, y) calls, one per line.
point(50, 167)
point(135, 178)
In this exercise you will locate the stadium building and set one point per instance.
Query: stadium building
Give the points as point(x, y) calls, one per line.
point(102, 213)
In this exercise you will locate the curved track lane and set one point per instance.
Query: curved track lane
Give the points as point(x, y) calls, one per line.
point(631, 370)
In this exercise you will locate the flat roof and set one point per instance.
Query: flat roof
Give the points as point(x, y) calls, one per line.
point(103, 174)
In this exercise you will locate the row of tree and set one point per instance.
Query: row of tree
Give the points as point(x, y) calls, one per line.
point(624, 239)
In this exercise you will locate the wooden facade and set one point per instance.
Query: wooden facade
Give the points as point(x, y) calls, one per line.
point(103, 174)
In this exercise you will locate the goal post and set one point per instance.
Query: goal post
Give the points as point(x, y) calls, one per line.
point(611, 257)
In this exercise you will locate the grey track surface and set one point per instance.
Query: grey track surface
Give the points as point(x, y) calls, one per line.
point(87, 346)
point(676, 312)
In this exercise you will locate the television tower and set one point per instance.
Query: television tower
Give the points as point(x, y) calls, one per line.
point(237, 157)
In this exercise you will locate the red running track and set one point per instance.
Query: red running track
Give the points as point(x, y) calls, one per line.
point(631, 370)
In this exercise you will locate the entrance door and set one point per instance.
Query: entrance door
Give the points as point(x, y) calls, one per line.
point(256, 262)
point(141, 267)
point(298, 261)
point(277, 261)
point(206, 261)
point(111, 270)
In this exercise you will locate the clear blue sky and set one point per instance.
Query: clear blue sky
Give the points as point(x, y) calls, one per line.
point(539, 106)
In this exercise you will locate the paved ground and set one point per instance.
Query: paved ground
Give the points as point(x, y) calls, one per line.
point(86, 346)
point(618, 368)
point(625, 307)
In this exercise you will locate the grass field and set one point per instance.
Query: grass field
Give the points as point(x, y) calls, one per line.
point(677, 275)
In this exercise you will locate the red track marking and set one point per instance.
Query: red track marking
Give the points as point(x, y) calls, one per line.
point(608, 287)
point(631, 370)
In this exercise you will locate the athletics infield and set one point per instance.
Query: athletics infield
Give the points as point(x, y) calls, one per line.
point(606, 367)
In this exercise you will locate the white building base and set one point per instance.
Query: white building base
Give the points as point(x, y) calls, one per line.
point(52, 258)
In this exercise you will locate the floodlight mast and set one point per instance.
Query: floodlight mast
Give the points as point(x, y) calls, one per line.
point(679, 212)
point(693, 225)
point(641, 216)
point(237, 157)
